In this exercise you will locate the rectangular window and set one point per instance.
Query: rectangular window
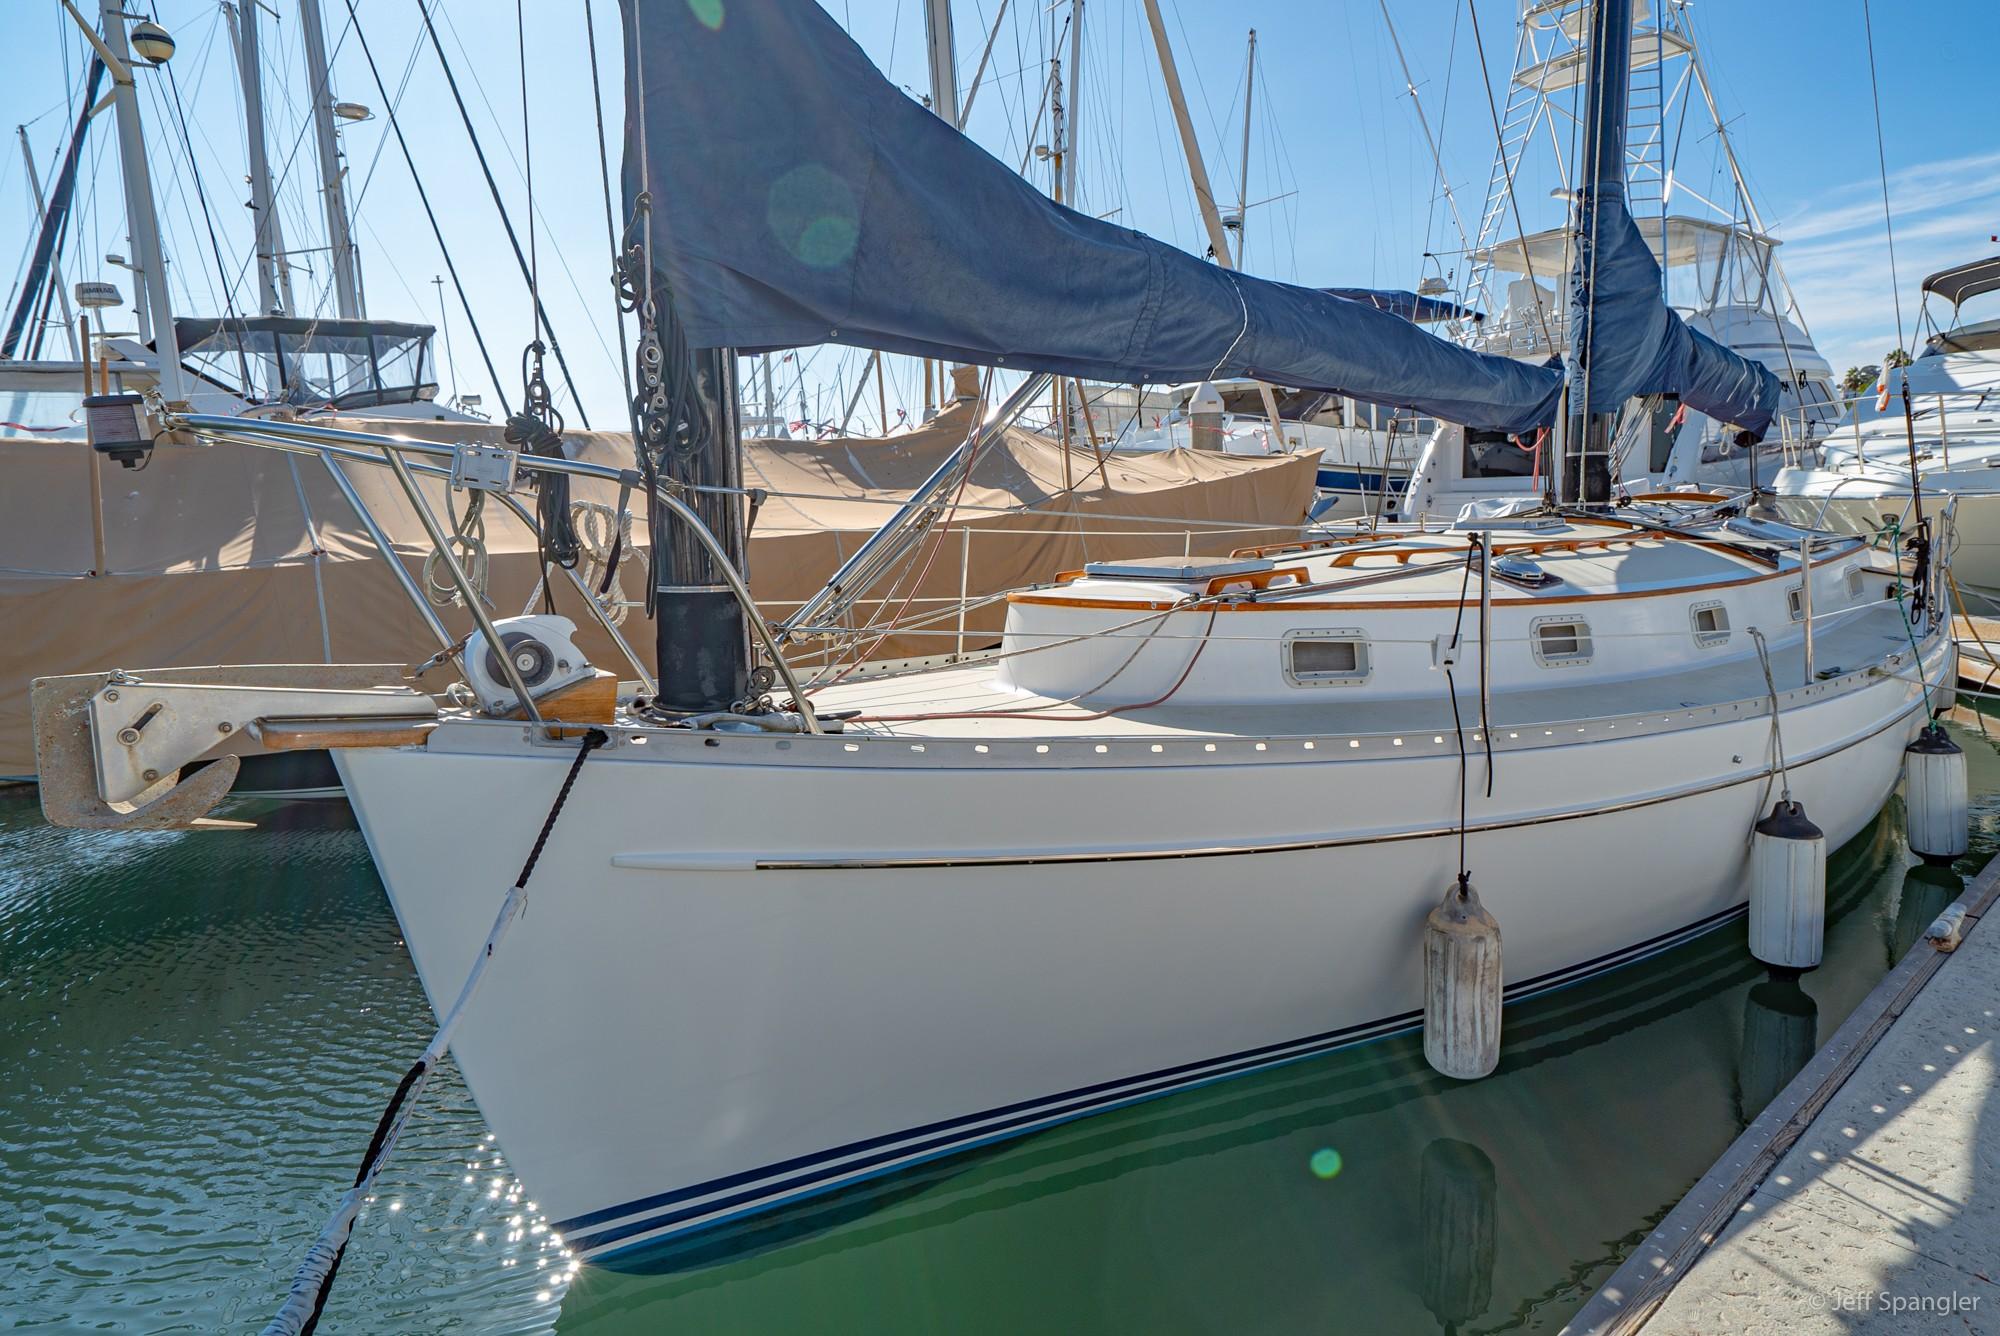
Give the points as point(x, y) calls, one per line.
point(1561, 641)
point(1711, 624)
point(1325, 658)
point(1795, 599)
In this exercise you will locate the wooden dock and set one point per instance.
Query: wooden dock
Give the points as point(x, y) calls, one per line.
point(1867, 1196)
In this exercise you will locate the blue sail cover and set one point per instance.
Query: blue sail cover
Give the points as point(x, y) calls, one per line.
point(798, 197)
point(1623, 338)
point(1410, 306)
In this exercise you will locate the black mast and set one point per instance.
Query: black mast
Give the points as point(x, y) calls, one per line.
point(1586, 471)
point(690, 444)
point(55, 219)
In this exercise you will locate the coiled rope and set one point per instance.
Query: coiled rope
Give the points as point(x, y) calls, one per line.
point(603, 536)
point(468, 544)
point(313, 1282)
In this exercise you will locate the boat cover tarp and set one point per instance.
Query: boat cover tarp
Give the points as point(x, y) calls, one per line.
point(208, 554)
point(1637, 344)
point(800, 198)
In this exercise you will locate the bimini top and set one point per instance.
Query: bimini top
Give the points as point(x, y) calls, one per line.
point(1961, 282)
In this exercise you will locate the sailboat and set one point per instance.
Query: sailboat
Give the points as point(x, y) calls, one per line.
point(1187, 821)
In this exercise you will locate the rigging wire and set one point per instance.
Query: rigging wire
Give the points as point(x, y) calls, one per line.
point(538, 426)
point(215, 245)
point(1513, 200)
point(506, 221)
point(1922, 539)
point(423, 197)
point(1882, 163)
point(506, 143)
point(610, 222)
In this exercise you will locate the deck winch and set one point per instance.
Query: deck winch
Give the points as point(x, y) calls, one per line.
point(1788, 888)
point(1462, 985)
point(1934, 796)
point(543, 650)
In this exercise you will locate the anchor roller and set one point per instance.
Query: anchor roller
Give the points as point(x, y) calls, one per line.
point(1462, 985)
point(1788, 889)
point(1934, 796)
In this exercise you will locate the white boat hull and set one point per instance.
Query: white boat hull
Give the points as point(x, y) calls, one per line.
point(755, 968)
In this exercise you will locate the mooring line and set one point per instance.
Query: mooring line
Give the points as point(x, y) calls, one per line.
point(313, 1282)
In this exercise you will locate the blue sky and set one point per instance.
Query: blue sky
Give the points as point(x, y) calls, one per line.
point(1334, 137)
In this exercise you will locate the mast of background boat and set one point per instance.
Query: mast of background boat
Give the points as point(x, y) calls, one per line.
point(1424, 123)
point(274, 275)
point(55, 261)
point(1204, 198)
point(155, 311)
point(339, 230)
point(54, 223)
point(941, 55)
point(1243, 172)
point(1586, 448)
point(1075, 102)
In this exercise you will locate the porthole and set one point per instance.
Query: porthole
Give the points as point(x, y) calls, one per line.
point(1325, 658)
point(1561, 642)
point(1711, 624)
point(1795, 601)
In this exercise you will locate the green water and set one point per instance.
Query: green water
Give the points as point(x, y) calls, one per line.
point(197, 1032)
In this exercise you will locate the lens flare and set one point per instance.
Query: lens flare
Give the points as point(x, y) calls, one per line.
point(708, 11)
point(814, 215)
point(1325, 1162)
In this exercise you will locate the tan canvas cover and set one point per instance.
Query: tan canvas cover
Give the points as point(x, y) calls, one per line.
point(227, 554)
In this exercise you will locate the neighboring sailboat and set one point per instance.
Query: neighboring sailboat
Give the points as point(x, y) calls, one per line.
point(1187, 822)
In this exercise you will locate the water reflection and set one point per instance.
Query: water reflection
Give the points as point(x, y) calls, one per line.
point(1925, 892)
point(1461, 1224)
point(1780, 1035)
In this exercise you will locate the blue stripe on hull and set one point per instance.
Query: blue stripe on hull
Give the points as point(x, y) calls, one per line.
point(1355, 480)
point(678, 1214)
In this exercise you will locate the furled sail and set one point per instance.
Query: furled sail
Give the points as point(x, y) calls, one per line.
point(798, 197)
point(1409, 305)
point(1623, 338)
